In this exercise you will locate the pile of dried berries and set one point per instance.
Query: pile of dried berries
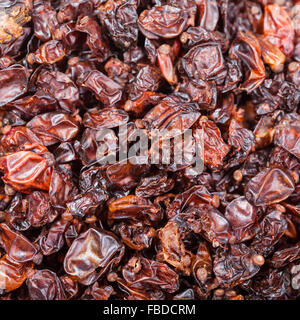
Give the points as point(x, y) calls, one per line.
point(74, 70)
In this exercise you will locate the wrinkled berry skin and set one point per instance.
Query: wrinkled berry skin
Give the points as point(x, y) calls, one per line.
point(104, 107)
